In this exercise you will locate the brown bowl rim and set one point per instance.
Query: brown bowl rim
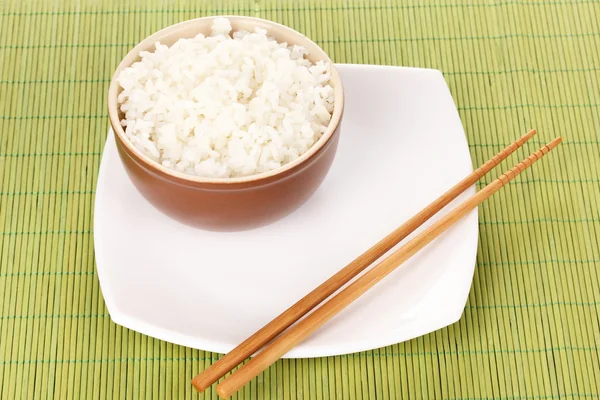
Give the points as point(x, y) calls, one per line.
point(262, 178)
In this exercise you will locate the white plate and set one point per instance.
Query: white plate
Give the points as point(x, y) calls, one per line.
point(402, 145)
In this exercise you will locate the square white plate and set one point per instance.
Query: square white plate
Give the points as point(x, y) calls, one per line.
point(402, 145)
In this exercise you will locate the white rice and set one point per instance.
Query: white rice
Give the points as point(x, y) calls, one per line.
point(222, 106)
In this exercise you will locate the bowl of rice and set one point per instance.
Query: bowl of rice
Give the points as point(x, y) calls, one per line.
point(226, 123)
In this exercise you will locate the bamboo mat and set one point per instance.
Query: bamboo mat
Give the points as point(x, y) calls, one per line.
point(531, 327)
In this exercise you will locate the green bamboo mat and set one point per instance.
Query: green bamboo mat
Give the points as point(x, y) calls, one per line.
point(531, 328)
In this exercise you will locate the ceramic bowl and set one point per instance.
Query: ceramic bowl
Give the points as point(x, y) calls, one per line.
point(228, 203)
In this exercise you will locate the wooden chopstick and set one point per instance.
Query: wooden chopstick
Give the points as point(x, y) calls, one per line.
point(316, 319)
point(339, 279)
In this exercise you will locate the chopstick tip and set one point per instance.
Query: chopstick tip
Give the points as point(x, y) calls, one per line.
point(221, 392)
point(198, 384)
point(526, 136)
point(553, 143)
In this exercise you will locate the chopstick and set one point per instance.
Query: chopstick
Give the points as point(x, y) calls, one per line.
point(339, 279)
point(317, 318)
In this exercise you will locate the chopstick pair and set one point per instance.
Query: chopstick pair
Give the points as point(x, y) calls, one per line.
point(293, 336)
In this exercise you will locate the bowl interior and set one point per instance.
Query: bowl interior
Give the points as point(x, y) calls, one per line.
point(191, 28)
